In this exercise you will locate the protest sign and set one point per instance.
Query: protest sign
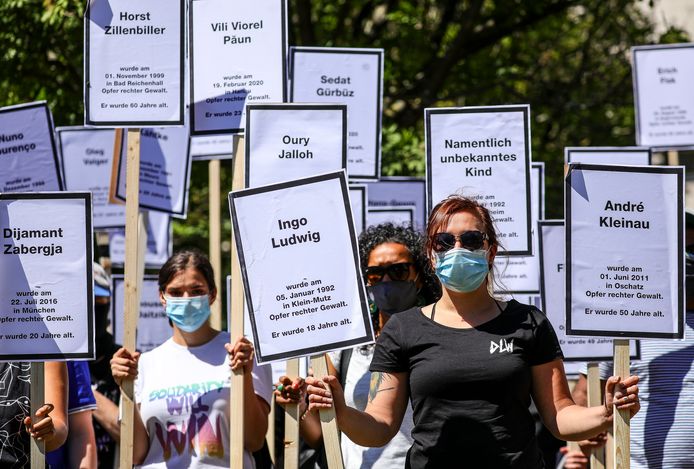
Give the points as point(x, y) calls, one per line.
point(159, 241)
point(28, 158)
point(553, 274)
point(299, 303)
point(399, 191)
point(625, 251)
point(484, 153)
point(663, 79)
point(46, 293)
point(608, 155)
point(153, 327)
point(164, 171)
point(133, 71)
point(238, 57)
point(401, 215)
point(86, 156)
point(346, 76)
point(291, 141)
point(211, 147)
point(357, 199)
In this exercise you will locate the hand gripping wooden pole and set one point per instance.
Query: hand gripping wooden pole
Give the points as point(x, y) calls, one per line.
point(36, 400)
point(215, 206)
point(621, 417)
point(597, 457)
point(236, 327)
point(291, 423)
point(328, 420)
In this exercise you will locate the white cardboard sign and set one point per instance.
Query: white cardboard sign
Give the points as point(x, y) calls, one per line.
point(401, 215)
point(400, 192)
point(212, 147)
point(625, 251)
point(521, 274)
point(484, 153)
point(292, 141)
point(133, 71)
point(575, 348)
point(153, 327)
point(663, 81)
point(46, 293)
point(346, 76)
point(357, 199)
point(86, 156)
point(300, 303)
point(164, 171)
point(159, 242)
point(28, 157)
point(640, 156)
point(238, 57)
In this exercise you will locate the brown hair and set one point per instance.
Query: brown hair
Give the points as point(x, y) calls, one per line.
point(182, 260)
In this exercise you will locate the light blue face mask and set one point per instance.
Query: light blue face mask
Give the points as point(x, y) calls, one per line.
point(461, 270)
point(188, 313)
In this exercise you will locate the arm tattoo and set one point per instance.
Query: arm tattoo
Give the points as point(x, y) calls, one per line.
point(377, 379)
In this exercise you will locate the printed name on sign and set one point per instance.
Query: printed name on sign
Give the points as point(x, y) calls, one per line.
point(399, 191)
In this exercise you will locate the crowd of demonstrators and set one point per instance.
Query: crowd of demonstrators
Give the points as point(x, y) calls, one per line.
point(468, 363)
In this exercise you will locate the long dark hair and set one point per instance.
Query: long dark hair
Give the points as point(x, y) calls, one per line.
point(182, 260)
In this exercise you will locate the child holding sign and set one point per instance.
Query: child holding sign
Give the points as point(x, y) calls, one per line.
point(182, 388)
point(469, 363)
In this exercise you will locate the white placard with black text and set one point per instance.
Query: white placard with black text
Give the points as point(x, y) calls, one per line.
point(357, 199)
point(484, 153)
point(46, 293)
point(159, 243)
point(663, 81)
point(292, 141)
point(400, 192)
point(153, 327)
point(640, 156)
point(212, 147)
point(28, 157)
point(345, 76)
point(133, 71)
point(86, 155)
point(400, 215)
point(238, 57)
point(307, 306)
point(625, 251)
point(164, 171)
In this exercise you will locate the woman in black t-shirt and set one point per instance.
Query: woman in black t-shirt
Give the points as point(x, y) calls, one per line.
point(469, 363)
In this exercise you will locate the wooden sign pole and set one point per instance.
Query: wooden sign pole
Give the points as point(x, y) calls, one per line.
point(597, 457)
point(291, 423)
point(37, 399)
point(236, 326)
point(621, 417)
point(215, 206)
point(270, 435)
point(132, 295)
point(328, 421)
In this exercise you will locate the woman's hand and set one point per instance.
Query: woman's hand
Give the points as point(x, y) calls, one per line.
point(43, 429)
point(241, 355)
point(124, 365)
point(288, 391)
point(622, 393)
point(324, 393)
point(574, 459)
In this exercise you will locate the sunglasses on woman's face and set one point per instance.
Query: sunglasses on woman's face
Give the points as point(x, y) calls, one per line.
point(399, 271)
point(470, 240)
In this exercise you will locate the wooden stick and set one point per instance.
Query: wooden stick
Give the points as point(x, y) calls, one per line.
point(621, 417)
point(112, 188)
point(36, 400)
point(597, 457)
point(270, 435)
point(291, 423)
point(328, 421)
point(236, 327)
point(673, 158)
point(131, 302)
point(215, 206)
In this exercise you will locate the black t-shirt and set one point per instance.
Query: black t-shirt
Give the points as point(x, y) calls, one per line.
point(14, 407)
point(470, 388)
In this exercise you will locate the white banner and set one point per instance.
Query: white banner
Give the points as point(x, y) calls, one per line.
point(625, 251)
point(292, 141)
point(484, 153)
point(400, 192)
point(46, 293)
point(400, 215)
point(28, 158)
point(153, 327)
point(164, 171)
point(238, 57)
point(300, 265)
point(159, 243)
point(640, 156)
point(663, 81)
point(211, 147)
point(357, 199)
point(86, 155)
point(133, 71)
point(346, 76)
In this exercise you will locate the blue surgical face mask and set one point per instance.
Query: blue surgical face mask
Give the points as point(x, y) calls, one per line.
point(188, 313)
point(461, 270)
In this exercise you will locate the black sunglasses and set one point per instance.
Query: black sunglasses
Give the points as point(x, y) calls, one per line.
point(471, 240)
point(399, 271)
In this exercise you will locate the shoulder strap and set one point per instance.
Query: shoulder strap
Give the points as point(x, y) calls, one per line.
point(345, 357)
